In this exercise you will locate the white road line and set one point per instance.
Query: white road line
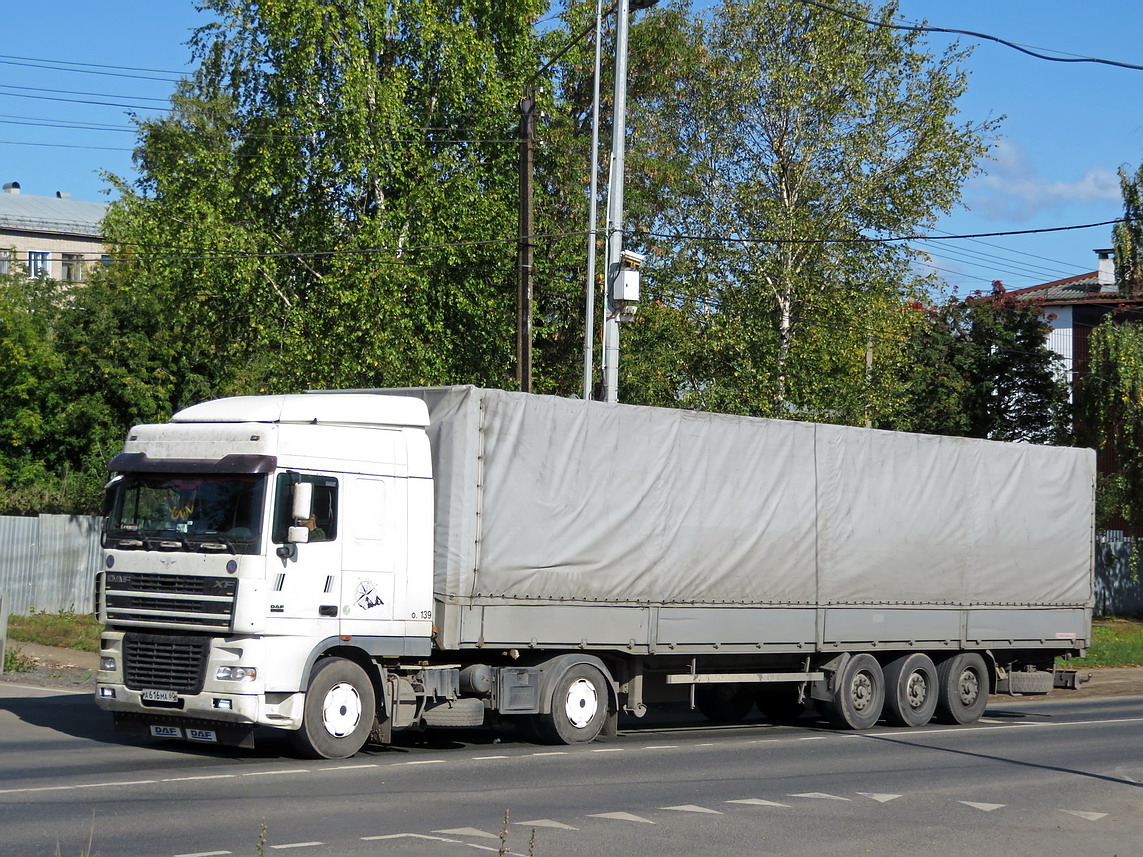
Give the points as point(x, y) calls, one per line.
point(880, 798)
point(1090, 816)
point(756, 801)
point(690, 807)
point(663, 747)
point(818, 796)
point(424, 762)
point(296, 845)
point(37, 789)
point(621, 816)
point(407, 836)
point(125, 783)
point(203, 777)
point(609, 750)
point(546, 822)
point(814, 738)
point(486, 758)
point(347, 767)
point(468, 831)
point(483, 847)
point(43, 689)
point(984, 807)
point(551, 753)
point(206, 854)
point(274, 773)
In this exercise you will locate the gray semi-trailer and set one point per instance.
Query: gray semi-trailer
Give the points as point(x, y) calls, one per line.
point(345, 564)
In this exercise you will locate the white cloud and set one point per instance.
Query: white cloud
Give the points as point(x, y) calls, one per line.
point(1011, 189)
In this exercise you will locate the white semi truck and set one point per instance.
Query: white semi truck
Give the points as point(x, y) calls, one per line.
point(346, 564)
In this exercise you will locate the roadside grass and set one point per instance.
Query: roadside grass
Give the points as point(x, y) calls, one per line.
point(63, 630)
point(17, 662)
point(1115, 643)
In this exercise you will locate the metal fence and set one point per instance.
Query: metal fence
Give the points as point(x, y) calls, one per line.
point(48, 563)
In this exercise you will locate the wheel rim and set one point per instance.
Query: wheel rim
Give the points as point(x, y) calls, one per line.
point(341, 710)
point(581, 703)
point(862, 692)
point(969, 687)
point(917, 690)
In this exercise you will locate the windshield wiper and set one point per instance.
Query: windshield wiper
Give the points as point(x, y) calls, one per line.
point(215, 541)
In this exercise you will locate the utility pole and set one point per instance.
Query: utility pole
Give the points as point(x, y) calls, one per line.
point(615, 208)
point(525, 247)
point(592, 238)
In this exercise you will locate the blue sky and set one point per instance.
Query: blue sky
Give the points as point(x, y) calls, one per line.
point(1069, 127)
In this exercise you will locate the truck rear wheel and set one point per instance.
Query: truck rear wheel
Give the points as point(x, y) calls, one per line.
point(911, 690)
point(963, 683)
point(858, 695)
point(579, 707)
point(339, 711)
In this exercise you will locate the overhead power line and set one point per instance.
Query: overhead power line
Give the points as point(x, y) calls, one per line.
point(1024, 49)
point(80, 65)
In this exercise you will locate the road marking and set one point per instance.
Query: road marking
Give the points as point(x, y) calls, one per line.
point(551, 753)
point(621, 816)
point(709, 744)
point(486, 758)
point(407, 836)
point(485, 847)
point(814, 738)
point(663, 747)
point(424, 762)
point(880, 798)
point(757, 801)
point(348, 767)
point(274, 773)
point(203, 777)
point(546, 822)
point(206, 854)
point(296, 845)
point(819, 796)
point(985, 807)
point(609, 750)
point(44, 689)
point(690, 807)
point(125, 783)
point(1090, 816)
point(37, 789)
point(468, 831)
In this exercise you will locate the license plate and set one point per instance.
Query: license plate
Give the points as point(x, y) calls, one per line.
point(166, 732)
point(160, 696)
point(206, 735)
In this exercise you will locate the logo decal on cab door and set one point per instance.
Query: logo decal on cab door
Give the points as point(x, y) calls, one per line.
point(367, 597)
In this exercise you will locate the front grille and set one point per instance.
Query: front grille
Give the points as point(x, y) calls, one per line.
point(135, 598)
point(165, 662)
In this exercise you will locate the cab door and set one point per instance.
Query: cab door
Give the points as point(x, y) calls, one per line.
point(374, 556)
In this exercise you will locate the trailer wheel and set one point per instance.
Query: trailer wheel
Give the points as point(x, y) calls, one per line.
point(339, 711)
point(911, 690)
point(723, 703)
point(779, 705)
point(963, 683)
point(579, 707)
point(858, 695)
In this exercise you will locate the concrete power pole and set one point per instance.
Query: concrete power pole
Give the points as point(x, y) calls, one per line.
point(525, 246)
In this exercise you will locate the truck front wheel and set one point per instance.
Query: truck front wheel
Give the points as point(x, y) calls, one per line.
point(579, 707)
point(858, 694)
point(963, 681)
point(339, 711)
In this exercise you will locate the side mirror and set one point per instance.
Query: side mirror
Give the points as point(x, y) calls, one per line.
point(298, 535)
point(303, 502)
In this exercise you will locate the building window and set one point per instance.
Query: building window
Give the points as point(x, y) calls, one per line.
point(72, 265)
point(39, 263)
point(5, 262)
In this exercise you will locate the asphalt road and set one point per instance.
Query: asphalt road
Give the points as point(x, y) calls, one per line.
point(1043, 778)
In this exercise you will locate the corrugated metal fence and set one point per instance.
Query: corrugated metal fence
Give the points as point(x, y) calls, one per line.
point(48, 563)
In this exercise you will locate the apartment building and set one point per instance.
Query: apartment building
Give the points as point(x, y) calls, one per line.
point(51, 236)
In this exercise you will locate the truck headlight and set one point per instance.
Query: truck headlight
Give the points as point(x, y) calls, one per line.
point(236, 673)
point(107, 665)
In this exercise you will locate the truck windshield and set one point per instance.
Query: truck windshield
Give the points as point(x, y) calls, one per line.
point(201, 513)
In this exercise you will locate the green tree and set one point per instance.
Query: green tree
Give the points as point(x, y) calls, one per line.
point(1128, 235)
point(981, 367)
point(803, 137)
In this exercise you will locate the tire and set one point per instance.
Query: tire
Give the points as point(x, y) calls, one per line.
point(911, 690)
point(963, 689)
point(779, 705)
point(579, 707)
point(339, 711)
point(723, 703)
point(858, 695)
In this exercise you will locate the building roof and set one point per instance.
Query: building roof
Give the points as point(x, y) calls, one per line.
point(1082, 288)
point(27, 213)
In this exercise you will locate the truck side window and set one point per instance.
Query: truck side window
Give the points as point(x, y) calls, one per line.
point(322, 523)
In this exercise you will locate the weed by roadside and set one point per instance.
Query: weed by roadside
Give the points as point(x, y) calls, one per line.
point(16, 661)
point(64, 630)
point(1115, 643)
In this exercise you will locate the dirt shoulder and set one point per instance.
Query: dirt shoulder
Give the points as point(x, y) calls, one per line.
point(67, 668)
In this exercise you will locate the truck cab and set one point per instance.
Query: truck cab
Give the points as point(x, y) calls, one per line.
point(226, 579)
